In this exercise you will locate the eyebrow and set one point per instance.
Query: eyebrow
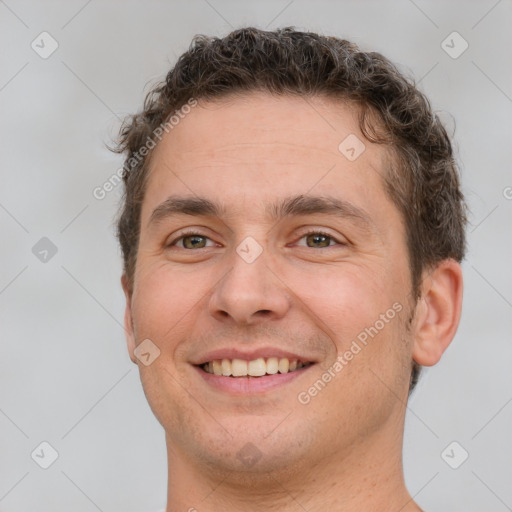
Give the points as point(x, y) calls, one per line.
point(289, 206)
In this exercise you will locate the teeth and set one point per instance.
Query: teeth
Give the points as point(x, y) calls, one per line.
point(226, 367)
point(272, 365)
point(255, 368)
point(239, 368)
point(217, 367)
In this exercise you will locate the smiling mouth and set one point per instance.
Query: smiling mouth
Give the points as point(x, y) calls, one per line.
point(236, 368)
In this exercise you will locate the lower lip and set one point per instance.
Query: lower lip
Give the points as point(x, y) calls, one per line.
point(250, 385)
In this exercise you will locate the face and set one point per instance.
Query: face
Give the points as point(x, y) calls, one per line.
point(261, 241)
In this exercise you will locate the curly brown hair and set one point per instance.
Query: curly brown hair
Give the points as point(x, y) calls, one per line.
point(422, 178)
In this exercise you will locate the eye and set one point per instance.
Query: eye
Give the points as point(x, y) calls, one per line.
point(314, 240)
point(190, 240)
point(319, 239)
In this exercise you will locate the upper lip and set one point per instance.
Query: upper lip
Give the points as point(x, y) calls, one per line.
point(250, 355)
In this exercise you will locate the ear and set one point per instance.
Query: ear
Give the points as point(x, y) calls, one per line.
point(128, 321)
point(438, 312)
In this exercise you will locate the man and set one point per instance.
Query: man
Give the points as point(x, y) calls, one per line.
point(292, 230)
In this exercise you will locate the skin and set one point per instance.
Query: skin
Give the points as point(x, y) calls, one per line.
point(343, 449)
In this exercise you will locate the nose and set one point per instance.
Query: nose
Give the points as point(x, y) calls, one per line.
point(249, 293)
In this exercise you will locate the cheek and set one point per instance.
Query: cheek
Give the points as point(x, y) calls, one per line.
point(164, 309)
point(362, 311)
point(164, 301)
point(345, 298)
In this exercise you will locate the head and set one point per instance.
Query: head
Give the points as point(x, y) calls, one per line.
point(245, 142)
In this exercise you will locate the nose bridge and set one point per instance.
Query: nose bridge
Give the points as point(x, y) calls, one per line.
point(249, 287)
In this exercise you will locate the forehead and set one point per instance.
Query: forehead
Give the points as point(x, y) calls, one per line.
point(307, 124)
point(261, 146)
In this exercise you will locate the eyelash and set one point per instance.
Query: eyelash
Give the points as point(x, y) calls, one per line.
point(185, 234)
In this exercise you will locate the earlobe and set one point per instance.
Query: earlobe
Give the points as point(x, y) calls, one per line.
point(128, 321)
point(438, 312)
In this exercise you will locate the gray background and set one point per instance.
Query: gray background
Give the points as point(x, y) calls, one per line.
point(65, 376)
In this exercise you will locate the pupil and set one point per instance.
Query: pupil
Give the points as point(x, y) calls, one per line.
point(193, 241)
point(317, 239)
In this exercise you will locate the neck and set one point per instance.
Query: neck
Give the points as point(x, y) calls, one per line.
point(368, 475)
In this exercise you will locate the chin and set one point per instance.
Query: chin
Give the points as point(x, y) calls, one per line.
point(253, 445)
